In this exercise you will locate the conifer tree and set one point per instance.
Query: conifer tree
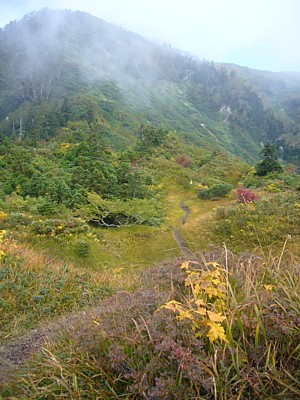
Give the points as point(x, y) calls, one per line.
point(269, 163)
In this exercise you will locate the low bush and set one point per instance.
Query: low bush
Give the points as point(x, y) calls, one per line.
point(82, 248)
point(273, 188)
point(215, 191)
point(245, 195)
point(54, 227)
point(3, 216)
point(262, 223)
point(17, 219)
point(116, 213)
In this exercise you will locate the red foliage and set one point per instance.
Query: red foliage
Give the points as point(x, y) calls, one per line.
point(245, 195)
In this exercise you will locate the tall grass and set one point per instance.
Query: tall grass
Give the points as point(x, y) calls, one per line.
point(34, 287)
point(135, 349)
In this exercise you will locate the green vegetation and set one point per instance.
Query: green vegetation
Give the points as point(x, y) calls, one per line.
point(215, 191)
point(267, 221)
point(123, 81)
point(223, 317)
point(116, 171)
point(269, 163)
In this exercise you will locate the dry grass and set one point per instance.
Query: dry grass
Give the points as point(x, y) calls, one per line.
point(128, 349)
point(36, 288)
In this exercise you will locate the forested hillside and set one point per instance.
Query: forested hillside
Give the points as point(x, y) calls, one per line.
point(61, 66)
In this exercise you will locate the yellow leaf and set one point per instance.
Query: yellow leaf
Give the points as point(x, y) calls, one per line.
point(200, 302)
point(268, 287)
point(213, 292)
point(184, 314)
point(200, 311)
point(185, 265)
point(215, 317)
point(216, 332)
point(172, 305)
point(193, 276)
point(213, 264)
point(197, 289)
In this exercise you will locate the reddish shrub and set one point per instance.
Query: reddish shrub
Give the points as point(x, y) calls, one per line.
point(245, 195)
point(183, 161)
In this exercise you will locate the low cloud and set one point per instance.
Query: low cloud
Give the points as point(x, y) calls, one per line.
point(263, 34)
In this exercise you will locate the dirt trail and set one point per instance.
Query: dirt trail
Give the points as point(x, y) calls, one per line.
point(17, 352)
point(176, 235)
point(187, 212)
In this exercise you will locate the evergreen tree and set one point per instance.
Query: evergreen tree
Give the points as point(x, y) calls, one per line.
point(269, 163)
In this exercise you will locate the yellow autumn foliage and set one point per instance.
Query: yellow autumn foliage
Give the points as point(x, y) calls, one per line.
point(216, 332)
point(204, 307)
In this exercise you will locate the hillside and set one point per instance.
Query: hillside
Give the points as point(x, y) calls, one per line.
point(62, 66)
point(149, 219)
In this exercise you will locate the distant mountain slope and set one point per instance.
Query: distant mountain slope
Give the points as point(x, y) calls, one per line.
point(61, 66)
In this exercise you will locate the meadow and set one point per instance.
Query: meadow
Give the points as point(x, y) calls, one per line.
point(220, 325)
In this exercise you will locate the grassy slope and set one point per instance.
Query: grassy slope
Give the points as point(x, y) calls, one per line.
point(116, 263)
point(55, 278)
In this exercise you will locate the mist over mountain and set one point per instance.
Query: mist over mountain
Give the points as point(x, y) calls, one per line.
point(62, 66)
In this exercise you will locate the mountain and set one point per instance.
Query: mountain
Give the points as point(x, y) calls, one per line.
point(58, 67)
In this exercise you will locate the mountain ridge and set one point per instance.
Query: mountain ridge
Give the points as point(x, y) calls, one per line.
point(50, 58)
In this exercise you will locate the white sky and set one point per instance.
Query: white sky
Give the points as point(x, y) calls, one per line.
point(262, 34)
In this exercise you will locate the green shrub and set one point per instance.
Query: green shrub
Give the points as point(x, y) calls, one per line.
point(266, 222)
point(54, 227)
point(215, 191)
point(47, 206)
point(116, 213)
point(272, 188)
point(17, 219)
point(224, 228)
point(82, 248)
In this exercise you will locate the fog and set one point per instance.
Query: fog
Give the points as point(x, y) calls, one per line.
point(254, 33)
point(48, 45)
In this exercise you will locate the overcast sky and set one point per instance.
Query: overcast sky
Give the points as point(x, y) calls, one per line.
point(262, 34)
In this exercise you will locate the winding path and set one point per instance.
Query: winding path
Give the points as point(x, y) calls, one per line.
point(15, 353)
point(176, 235)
